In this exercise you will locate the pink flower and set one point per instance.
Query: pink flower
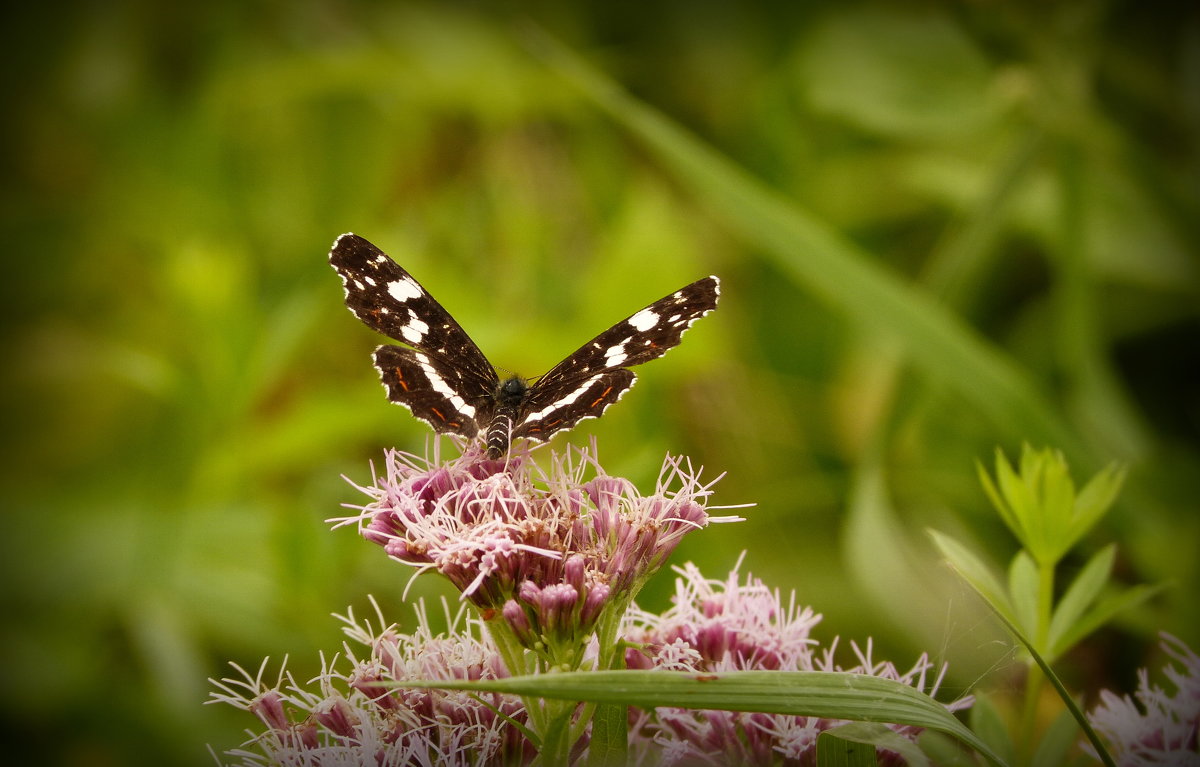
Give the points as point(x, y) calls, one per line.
point(1163, 730)
point(357, 716)
point(738, 624)
point(547, 550)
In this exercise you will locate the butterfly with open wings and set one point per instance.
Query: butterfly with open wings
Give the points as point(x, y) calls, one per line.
point(446, 381)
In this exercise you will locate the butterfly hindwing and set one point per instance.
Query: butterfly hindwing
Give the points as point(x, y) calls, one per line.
point(548, 410)
point(430, 388)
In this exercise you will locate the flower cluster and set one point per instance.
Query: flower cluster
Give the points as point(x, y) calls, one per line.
point(735, 625)
point(546, 550)
point(1168, 731)
point(358, 716)
point(550, 559)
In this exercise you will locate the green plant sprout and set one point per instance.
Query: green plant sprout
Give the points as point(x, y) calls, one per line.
point(1039, 503)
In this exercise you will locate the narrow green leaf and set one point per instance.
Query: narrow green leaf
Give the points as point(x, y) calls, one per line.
point(610, 736)
point(986, 723)
point(973, 570)
point(875, 735)
point(834, 751)
point(993, 493)
point(1102, 613)
point(944, 751)
point(827, 695)
point(1019, 500)
point(1095, 499)
point(1057, 507)
point(1023, 590)
point(1079, 595)
point(1056, 743)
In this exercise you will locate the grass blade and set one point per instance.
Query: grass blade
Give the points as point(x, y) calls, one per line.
point(801, 693)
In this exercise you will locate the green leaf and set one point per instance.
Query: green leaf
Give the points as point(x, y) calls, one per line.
point(1079, 595)
point(1056, 506)
point(1023, 590)
point(834, 751)
point(994, 495)
point(986, 723)
point(973, 570)
point(877, 736)
point(1095, 500)
point(610, 736)
point(1102, 613)
point(1018, 501)
point(944, 751)
point(827, 695)
point(1057, 742)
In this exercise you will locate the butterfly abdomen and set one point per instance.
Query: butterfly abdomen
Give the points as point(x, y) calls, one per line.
point(510, 397)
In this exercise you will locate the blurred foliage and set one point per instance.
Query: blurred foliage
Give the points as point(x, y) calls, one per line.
point(183, 386)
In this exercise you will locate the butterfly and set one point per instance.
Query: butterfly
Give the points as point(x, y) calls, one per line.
point(443, 378)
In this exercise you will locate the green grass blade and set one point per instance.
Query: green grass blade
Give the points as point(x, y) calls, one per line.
point(801, 693)
point(829, 266)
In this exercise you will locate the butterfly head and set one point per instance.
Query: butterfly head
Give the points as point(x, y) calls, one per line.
point(511, 392)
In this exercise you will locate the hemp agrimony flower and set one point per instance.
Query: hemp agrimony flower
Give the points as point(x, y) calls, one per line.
point(1165, 729)
point(546, 554)
point(357, 716)
point(741, 625)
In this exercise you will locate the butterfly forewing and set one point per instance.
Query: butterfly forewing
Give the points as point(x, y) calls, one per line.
point(640, 337)
point(595, 376)
point(388, 300)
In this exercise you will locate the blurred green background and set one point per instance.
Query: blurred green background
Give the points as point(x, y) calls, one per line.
point(941, 228)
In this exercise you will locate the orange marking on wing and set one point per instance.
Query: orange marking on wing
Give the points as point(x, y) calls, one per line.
point(438, 413)
point(601, 397)
point(400, 379)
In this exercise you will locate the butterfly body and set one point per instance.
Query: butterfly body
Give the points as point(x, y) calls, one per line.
point(443, 378)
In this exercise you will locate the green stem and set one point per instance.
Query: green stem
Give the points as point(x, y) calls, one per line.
point(1045, 605)
point(1035, 678)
